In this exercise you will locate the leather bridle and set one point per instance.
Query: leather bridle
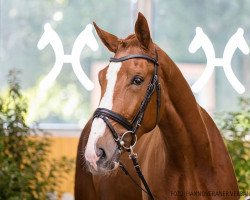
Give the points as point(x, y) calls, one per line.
point(132, 126)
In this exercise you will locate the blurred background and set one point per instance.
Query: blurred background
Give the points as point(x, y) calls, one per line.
point(67, 105)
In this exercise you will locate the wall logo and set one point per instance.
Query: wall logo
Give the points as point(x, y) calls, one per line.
point(201, 40)
point(86, 37)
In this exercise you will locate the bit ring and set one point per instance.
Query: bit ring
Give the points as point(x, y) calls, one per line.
point(134, 140)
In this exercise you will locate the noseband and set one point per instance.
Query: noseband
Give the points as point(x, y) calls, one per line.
point(133, 126)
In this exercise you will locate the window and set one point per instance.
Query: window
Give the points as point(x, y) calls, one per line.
point(22, 25)
point(172, 22)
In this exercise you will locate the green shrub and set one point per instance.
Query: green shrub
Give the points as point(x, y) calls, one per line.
point(235, 127)
point(26, 170)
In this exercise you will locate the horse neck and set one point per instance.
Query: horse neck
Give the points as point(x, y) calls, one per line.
point(182, 126)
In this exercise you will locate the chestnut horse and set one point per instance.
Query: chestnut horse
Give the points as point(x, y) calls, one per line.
point(180, 149)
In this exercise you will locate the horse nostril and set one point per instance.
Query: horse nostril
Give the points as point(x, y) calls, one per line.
point(101, 153)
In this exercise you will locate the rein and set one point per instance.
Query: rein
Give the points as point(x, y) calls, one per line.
point(133, 126)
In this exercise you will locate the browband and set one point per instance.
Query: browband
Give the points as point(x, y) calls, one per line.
point(143, 56)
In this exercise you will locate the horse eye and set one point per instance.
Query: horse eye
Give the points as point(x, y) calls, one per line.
point(137, 80)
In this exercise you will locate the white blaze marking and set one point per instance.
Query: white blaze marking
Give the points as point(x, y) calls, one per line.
point(98, 125)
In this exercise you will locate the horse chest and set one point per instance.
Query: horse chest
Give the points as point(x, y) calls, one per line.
point(117, 185)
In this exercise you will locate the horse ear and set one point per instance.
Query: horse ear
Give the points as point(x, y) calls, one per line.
point(108, 39)
point(142, 30)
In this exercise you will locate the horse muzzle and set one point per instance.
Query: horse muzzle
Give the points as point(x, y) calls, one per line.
point(106, 160)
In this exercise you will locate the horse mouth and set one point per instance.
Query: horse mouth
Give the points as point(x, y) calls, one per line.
point(103, 170)
point(104, 167)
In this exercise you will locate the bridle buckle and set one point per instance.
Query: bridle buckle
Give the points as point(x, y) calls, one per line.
point(132, 154)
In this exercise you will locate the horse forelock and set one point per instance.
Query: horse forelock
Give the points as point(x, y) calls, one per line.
point(131, 45)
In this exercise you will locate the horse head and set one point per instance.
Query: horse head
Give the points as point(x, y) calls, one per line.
point(124, 85)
